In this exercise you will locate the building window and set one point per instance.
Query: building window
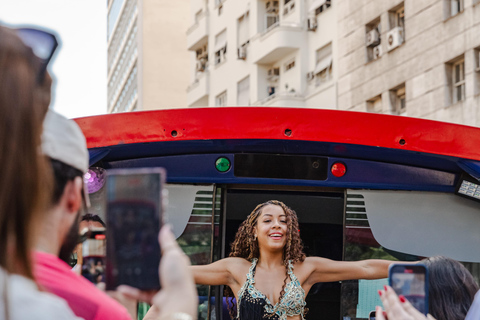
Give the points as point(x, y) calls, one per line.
point(318, 6)
point(221, 47)
point(452, 8)
point(202, 58)
point(221, 99)
point(373, 40)
point(288, 7)
point(456, 7)
point(243, 92)
point(290, 64)
point(458, 81)
point(243, 35)
point(323, 65)
point(113, 15)
point(271, 21)
point(397, 100)
point(374, 105)
point(476, 75)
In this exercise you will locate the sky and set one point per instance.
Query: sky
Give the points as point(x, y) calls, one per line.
point(80, 65)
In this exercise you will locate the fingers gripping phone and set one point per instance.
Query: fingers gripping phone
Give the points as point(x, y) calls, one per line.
point(134, 218)
point(411, 281)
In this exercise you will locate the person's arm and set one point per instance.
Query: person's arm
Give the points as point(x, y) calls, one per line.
point(326, 270)
point(216, 273)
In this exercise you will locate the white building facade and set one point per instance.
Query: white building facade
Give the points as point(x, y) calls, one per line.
point(263, 53)
point(419, 58)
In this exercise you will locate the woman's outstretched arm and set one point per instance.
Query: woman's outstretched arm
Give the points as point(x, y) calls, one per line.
point(326, 270)
point(220, 272)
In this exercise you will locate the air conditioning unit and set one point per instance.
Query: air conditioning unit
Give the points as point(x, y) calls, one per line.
point(310, 76)
point(271, 6)
point(273, 74)
point(373, 38)
point(201, 65)
point(377, 52)
point(242, 52)
point(394, 38)
point(312, 24)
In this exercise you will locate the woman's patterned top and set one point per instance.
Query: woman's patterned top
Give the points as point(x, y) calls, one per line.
point(254, 305)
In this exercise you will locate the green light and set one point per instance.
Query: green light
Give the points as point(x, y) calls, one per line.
point(222, 164)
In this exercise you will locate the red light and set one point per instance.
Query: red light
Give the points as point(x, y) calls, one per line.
point(338, 169)
point(99, 237)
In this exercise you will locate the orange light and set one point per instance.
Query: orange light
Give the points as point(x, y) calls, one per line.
point(338, 169)
point(99, 237)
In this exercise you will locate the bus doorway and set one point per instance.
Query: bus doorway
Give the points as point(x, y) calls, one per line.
point(320, 215)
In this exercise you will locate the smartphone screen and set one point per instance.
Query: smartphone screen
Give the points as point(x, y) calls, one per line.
point(134, 217)
point(411, 281)
point(93, 252)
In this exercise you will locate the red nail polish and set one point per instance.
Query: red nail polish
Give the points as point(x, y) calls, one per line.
point(385, 287)
point(380, 293)
point(402, 299)
point(384, 314)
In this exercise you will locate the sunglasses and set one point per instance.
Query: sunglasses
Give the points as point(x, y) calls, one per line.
point(43, 45)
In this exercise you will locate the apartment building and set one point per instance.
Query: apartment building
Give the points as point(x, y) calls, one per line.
point(147, 54)
point(263, 53)
point(413, 57)
point(419, 58)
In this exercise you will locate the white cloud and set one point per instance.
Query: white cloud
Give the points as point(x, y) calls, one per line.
point(80, 67)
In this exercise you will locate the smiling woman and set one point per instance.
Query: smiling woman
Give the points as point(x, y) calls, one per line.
point(260, 273)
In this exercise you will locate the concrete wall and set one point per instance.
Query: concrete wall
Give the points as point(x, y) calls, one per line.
point(163, 54)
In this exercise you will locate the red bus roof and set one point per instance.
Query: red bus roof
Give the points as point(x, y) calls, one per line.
point(334, 126)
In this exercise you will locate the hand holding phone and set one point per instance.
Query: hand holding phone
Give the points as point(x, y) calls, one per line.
point(411, 281)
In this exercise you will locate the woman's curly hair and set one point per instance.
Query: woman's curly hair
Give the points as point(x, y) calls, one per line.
point(245, 244)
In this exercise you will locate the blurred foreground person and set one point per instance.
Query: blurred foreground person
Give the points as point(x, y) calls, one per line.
point(24, 99)
point(64, 144)
point(451, 292)
point(452, 288)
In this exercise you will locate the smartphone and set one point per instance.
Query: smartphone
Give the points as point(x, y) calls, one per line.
point(93, 255)
point(372, 315)
point(134, 217)
point(411, 281)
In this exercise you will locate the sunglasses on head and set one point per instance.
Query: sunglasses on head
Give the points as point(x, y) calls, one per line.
point(43, 45)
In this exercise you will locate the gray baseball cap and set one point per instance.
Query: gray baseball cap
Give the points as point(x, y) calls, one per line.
point(63, 140)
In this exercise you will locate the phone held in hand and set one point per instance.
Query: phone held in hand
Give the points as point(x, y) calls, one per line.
point(411, 281)
point(134, 217)
point(93, 254)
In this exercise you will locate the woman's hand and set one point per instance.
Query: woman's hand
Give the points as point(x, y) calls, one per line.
point(397, 308)
point(178, 293)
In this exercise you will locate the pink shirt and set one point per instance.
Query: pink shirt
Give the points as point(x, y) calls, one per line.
point(86, 300)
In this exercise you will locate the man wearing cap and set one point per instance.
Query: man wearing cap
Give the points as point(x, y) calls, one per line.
point(64, 144)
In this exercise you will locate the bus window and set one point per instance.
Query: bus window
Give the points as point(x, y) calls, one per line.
point(376, 224)
point(189, 211)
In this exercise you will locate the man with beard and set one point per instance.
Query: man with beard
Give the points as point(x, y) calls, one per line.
point(64, 144)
